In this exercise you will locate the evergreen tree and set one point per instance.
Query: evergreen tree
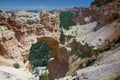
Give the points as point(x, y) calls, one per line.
point(39, 55)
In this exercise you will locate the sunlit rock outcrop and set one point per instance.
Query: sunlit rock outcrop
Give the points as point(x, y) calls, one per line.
point(71, 49)
point(9, 47)
point(20, 29)
point(101, 15)
point(9, 73)
point(107, 67)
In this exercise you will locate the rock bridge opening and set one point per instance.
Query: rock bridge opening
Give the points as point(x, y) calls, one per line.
point(42, 51)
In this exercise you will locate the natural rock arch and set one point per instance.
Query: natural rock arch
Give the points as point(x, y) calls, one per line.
point(56, 66)
point(52, 43)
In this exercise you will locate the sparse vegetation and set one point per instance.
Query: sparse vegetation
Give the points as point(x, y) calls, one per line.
point(91, 49)
point(46, 76)
point(73, 74)
point(96, 52)
point(111, 44)
point(16, 65)
point(89, 62)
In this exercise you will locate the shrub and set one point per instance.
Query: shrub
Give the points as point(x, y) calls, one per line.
point(100, 39)
point(16, 65)
point(91, 61)
point(112, 44)
point(91, 49)
point(97, 51)
point(46, 76)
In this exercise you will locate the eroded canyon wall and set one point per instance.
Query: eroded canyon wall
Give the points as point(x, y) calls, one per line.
point(20, 29)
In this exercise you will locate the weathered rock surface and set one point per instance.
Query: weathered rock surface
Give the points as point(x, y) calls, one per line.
point(85, 34)
point(101, 15)
point(9, 73)
point(9, 48)
point(107, 67)
point(76, 48)
point(20, 29)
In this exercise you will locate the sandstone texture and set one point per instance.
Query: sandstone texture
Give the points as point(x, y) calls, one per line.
point(20, 29)
point(107, 67)
point(9, 73)
point(76, 43)
point(71, 49)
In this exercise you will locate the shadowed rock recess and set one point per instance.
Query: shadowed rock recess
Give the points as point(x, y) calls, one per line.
point(88, 50)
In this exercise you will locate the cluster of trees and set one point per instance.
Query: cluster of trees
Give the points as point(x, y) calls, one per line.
point(103, 2)
point(40, 53)
point(67, 19)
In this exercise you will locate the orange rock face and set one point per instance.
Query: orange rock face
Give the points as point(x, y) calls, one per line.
point(20, 29)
